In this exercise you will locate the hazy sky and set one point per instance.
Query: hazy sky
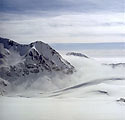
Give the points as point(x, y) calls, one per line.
point(63, 20)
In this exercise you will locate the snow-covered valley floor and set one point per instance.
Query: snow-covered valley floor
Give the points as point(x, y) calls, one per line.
point(61, 109)
point(93, 95)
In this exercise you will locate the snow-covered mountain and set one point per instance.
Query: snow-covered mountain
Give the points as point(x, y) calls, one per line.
point(77, 54)
point(36, 76)
point(20, 63)
point(115, 65)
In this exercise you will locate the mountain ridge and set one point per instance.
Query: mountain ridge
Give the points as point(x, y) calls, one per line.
point(20, 63)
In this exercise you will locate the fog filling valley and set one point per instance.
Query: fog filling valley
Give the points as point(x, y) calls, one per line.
point(88, 72)
point(93, 91)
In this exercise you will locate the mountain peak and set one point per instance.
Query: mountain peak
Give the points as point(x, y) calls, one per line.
point(21, 62)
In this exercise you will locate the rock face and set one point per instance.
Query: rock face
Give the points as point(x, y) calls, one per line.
point(77, 54)
point(3, 85)
point(19, 62)
point(121, 100)
point(116, 65)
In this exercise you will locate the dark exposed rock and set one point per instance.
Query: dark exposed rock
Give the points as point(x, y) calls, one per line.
point(121, 100)
point(77, 54)
point(114, 65)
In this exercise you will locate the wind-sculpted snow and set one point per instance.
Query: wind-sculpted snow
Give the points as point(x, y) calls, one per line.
point(93, 82)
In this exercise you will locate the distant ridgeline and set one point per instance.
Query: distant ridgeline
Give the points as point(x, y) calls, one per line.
point(82, 46)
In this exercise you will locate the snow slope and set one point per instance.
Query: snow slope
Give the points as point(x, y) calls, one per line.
point(61, 109)
point(91, 77)
point(90, 93)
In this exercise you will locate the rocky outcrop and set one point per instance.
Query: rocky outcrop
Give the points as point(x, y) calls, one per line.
point(19, 62)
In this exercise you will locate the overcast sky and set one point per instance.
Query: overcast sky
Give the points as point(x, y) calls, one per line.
point(63, 21)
